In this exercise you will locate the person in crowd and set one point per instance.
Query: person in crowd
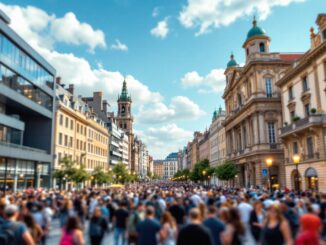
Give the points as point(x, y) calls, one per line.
point(168, 233)
point(120, 220)
point(310, 226)
point(34, 229)
point(276, 229)
point(234, 233)
point(135, 218)
point(148, 229)
point(215, 226)
point(177, 210)
point(12, 231)
point(256, 220)
point(97, 227)
point(194, 233)
point(72, 233)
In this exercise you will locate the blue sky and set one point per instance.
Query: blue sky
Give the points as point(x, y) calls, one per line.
point(172, 52)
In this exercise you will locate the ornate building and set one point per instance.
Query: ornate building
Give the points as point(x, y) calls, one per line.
point(253, 110)
point(303, 89)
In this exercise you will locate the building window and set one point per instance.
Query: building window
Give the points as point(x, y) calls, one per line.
point(60, 138)
point(324, 35)
point(247, 50)
point(291, 93)
point(262, 47)
point(77, 127)
point(66, 140)
point(71, 124)
point(310, 147)
point(268, 85)
point(239, 100)
point(71, 142)
point(295, 147)
point(292, 115)
point(271, 133)
point(61, 119)
point(307, 109)
point(305, 84)
point(67, 122)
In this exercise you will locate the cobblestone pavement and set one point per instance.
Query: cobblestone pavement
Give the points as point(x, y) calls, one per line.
point(55, 234)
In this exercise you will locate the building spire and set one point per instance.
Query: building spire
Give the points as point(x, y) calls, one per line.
point(254, 22)
point(124, 92)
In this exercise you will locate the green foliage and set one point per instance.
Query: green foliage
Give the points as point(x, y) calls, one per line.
point(226, 170)
point(102, 177)
point(182, 175)
point(121, 174)
point(80, 175)
point(201, 171)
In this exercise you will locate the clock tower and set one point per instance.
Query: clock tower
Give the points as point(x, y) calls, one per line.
point(124, 118)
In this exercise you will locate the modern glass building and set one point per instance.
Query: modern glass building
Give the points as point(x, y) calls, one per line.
point(26, 112)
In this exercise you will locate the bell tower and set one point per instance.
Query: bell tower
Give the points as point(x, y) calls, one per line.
point(124, 118)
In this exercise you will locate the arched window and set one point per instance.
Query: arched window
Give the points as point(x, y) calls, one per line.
point(262, 47)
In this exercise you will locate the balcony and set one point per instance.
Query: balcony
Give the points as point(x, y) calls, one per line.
point(23, 152)
point(312, 120)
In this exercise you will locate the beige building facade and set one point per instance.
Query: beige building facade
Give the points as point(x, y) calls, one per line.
point(158, 168)
point(79, 134)
point(253, 110)
point(204, 146)
point(303, 90)
point(217, 138)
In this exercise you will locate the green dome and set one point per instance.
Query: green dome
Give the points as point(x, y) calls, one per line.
point(255, 30)
point(232, 62)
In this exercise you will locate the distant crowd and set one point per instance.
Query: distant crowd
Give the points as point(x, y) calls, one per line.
point(166, 213)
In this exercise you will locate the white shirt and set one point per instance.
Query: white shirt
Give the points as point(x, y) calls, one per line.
point(244, 210)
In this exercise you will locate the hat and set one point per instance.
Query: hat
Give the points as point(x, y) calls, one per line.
point(11, 209)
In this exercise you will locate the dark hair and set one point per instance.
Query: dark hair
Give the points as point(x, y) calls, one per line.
point(29, 221)
point(235, 221)
point(72, 224)
point(150, 210)
point(212, 209)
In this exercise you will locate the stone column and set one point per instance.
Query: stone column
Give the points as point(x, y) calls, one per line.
point(262, 129)
point(256, 130)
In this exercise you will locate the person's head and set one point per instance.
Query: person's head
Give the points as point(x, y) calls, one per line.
point(310, 222)
point(72, 224)
point(97, 212)
point(150, 211)
point(140, 207)
point(167, 218)
point(212, 210)
point(194, 215)
point(224, 214)
point(258, 206)
point(29, 220)
point(235, 221)
point(274, 213)
point(11, 212)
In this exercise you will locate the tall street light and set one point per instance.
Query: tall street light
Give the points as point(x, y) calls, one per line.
point(204, 173)
point(269, 163)
point(296, 160)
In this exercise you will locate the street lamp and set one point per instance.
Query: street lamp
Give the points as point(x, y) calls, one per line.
point(296, 160)
point(204, 173)
point(269, 163)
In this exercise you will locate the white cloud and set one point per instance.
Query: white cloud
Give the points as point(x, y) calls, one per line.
point(43, 30)
point(69, 29)
point(208, 14)
point(119, 46)
point(165, 139)
point(214, 81)
point(180, 108)
point(161, 30)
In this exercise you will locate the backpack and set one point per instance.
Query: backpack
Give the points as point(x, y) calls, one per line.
point(95, 228)
point(8, 234)
point(67, 238)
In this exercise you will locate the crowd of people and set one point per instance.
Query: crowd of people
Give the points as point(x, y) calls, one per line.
point(166, 213)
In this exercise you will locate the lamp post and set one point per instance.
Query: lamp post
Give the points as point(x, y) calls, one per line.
point(269, 163)
point(296, 160)
point(204, 173)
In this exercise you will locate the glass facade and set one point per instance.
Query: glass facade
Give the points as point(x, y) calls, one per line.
point(10, 135)
point(18, 57)
point(24, 87)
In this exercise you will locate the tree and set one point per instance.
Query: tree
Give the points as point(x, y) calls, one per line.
point(226, 171)
point(80, 175)
point(121, 173)
point(201, 171)
point(66, 170)
point(102, 177)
